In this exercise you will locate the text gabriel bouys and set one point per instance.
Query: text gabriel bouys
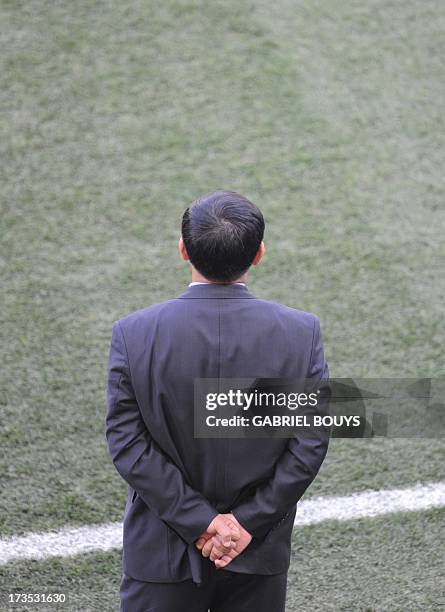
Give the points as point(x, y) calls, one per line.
point(294, 420)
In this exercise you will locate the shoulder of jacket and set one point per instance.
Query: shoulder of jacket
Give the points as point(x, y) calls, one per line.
point(143, 314)
point(289, 312)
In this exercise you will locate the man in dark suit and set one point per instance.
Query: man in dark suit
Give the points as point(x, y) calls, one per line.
point(208, 522)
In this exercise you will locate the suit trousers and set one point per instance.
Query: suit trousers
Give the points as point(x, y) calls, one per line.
point(223, 591)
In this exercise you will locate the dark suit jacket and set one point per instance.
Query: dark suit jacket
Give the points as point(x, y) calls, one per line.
point(178, 484)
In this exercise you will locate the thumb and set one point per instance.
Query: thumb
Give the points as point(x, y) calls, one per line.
point(223, 530)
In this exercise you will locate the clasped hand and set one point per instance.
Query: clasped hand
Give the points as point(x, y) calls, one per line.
point(223, 540)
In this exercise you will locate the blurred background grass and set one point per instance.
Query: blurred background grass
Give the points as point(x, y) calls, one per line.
point(115, 115)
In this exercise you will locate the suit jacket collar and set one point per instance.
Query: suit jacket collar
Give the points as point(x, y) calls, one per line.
point(213, 290)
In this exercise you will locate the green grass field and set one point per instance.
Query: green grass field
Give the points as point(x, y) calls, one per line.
point(382, 564)
point(114, 116)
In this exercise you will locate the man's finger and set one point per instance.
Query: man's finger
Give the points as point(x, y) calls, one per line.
point(216, 554)
point(223, 562)
point(224, 531)
point(236, 532)
point(214, 549)
point(218, 543)
point(223, 549)
point(200, 543)
point(206, 549)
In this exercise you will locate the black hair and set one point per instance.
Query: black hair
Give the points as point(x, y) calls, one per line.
point(222, 232)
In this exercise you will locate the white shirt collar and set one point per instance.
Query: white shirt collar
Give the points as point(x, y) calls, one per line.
point(200, 283)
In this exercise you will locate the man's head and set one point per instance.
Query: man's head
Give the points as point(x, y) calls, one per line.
point(222, 235)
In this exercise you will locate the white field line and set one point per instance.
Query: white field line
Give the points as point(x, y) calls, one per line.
point(69, 542)
point(370, 503)
point(63, 543)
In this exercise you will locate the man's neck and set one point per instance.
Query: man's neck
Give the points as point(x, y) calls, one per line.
point(198, 278)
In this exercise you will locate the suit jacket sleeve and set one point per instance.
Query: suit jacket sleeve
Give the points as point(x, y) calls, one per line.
point(296, 468)
point(141, 462)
